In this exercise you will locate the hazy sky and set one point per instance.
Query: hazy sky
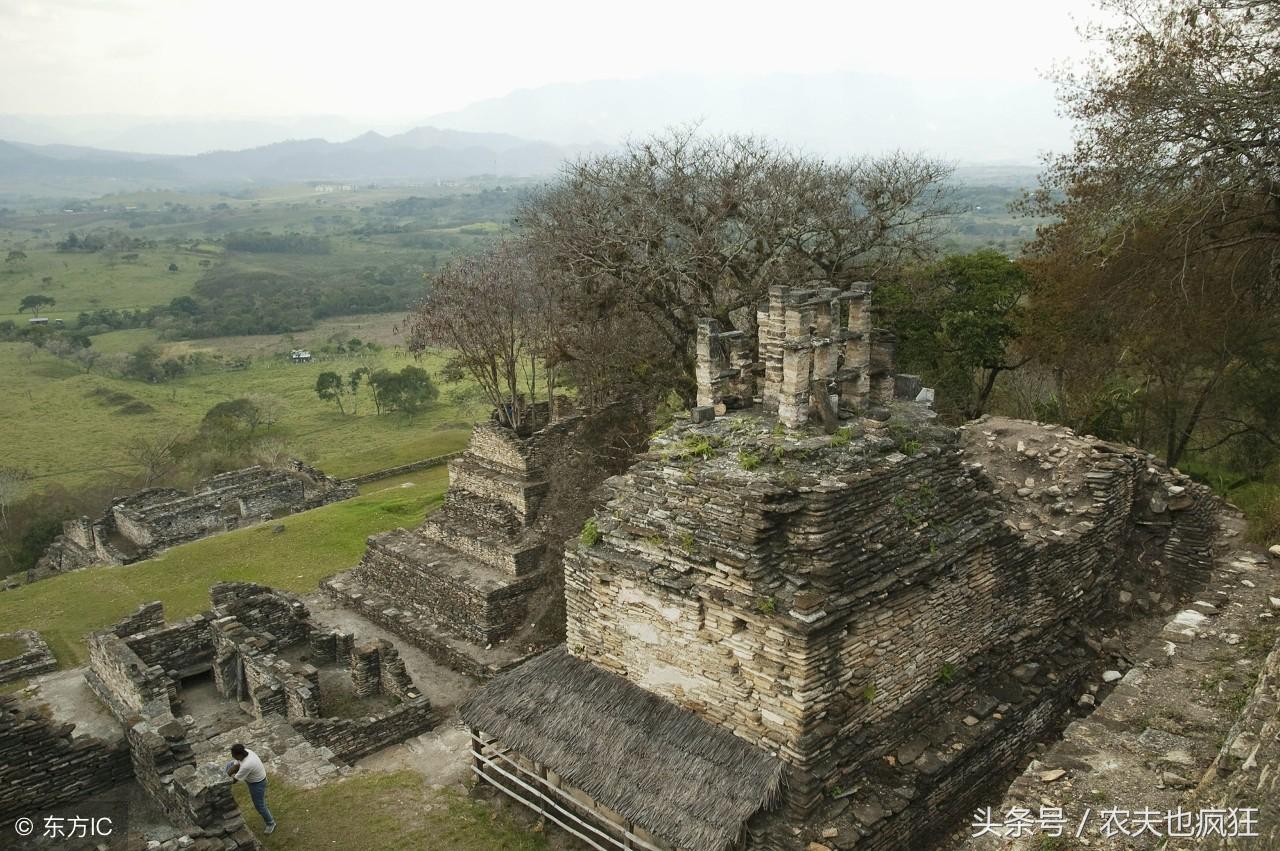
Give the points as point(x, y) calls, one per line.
point(406, 60)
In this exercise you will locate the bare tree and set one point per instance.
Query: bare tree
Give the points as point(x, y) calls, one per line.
point(683, 225)
point(156, 455)
point(489, 313)
point(13, 485)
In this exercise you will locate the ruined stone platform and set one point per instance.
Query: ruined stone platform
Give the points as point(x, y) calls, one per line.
point(1156, 742)
point(465, 586)
point(480, 661)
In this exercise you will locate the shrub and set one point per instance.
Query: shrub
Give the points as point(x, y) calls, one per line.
point(590, 533)
point(748, 460)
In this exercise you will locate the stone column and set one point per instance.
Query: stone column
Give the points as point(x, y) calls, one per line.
point(365, 669)
point(855, 383)
point(772, 329)
point(708, 365)
point(882, 348)
point(797, 365)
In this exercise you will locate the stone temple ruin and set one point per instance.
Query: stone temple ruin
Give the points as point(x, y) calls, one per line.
point(773, 626)
point(462, 586)
point(253, 668)
point(138, 526)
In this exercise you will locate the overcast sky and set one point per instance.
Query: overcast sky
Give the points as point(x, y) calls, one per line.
point(405, 60)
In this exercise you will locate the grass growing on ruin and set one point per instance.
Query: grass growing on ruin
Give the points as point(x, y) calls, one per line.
point(313, 545)
point(384, 812)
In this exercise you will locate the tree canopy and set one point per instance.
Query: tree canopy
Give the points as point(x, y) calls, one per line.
point(1164, 265)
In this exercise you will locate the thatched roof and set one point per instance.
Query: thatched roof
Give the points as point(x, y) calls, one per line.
point(664, 768)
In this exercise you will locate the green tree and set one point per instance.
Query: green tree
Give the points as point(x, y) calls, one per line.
point(16, 255)
point(416, 391)
point(36, 301)
point(353, 386)
point(956, 321)
point(330, 388)
point(1161, 272)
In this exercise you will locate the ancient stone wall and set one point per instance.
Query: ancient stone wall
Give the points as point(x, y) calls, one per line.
point(139, 525)
point(414, 628)
point(35, 658)
point(351, 739)
point(43, 766)
point(804, 613)
point(148, 616)
point(195, 797)
point(180, 649)
point(1152, 739)
point(126, 684)
point(263, 610)
point(470, 600)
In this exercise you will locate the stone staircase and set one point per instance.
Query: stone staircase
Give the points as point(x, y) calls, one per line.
point(461, 583)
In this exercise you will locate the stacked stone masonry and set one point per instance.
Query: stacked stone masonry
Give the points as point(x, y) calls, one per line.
point(140, 525)
point(462, 582)
point(34, 658)
point(42, 765)
point(832, 599)
point(137, 669)
point(1154, 745)
point(818, 358)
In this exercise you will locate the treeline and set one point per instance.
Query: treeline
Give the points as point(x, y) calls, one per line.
point(265, 242)
point(492, 205)
point(410, 390)
point(231, 301)
point(108, 240)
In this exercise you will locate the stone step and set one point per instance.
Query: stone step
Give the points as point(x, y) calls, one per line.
point(465, 596)
point(470, 535)
point(481, 661)
point(522, 495)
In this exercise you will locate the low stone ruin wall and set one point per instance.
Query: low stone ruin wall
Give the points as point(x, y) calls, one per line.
point(345, 591)
point(351, 739)
point(469, 604)
point(246, 668)
point(137, 526)
point(195, 797)
point(1154, 742)
point(405, 469)
point(125, 683)
point(148, 616)
point(248, 497)
point(36, 658)
point(263, 610)
point(180, 649)
point(42, 766)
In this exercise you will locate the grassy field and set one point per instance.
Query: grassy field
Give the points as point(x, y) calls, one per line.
point(86, 282)
point(313, 545)
point(385, 812)
point(65, 426)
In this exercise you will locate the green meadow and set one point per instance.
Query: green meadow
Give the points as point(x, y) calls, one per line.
point(68, 426)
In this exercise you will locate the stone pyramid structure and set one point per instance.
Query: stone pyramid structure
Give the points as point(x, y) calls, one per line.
point(462, 583)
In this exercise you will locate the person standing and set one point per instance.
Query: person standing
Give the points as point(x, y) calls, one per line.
point(246, 766)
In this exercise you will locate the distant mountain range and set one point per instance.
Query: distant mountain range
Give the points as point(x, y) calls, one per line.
point(424, 153)
point(988, 123)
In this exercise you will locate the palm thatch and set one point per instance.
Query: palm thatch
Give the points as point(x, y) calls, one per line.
point(662, 767)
